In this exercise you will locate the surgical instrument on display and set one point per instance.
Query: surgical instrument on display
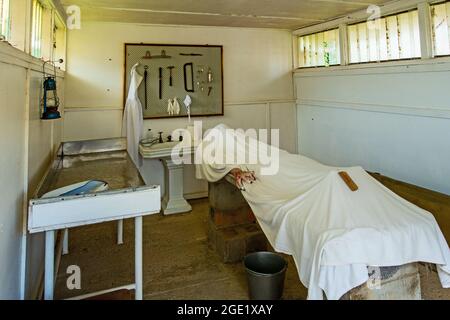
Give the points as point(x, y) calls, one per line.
point(170, 75)
point(145, 85)
point(188, 102)
point(209, 75)
point(190, 66)
point(209, 78)
point(163, 55)
point(160, 82)
point(200, 83)
point(191, 54)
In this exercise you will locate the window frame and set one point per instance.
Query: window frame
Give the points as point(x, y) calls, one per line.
point(387, 60)
point(427, 54)
point(432, 29)
point(337, 48)
point(7, 19)
point(36, 28)
point(58, 24)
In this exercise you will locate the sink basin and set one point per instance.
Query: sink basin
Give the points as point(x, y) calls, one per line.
point(164, 149)
point(166, 145)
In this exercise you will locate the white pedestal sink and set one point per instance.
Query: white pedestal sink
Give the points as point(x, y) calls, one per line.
point(173, 201)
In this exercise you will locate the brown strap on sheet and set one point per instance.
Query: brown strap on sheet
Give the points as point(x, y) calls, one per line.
point(348, 181)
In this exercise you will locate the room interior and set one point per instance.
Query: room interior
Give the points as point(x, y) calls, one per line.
point(345, 84)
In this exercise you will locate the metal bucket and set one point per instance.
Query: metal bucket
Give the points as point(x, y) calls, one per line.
point(265, 273)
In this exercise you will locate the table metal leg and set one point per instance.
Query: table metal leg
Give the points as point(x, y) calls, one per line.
point(138, 257)
point(65, 241)
point(49, 264)
point(120, 231)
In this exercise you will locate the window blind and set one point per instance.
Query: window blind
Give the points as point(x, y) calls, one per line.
point(389, 38)
point(319, 49)
point(440, 16)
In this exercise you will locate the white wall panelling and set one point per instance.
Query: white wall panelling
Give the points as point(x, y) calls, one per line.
point(390, 118)
point(27, 145)
point(12, 164)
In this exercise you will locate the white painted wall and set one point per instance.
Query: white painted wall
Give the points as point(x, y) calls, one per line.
point(392, 118)
point(258, 87)
point(27, 144)
point(12, 164)
point(44, 137)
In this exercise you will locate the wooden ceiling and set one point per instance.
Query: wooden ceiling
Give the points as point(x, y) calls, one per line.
point(281, 14)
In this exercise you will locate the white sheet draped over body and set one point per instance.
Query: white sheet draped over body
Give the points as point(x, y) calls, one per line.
point(333, 234)
point(132, 117)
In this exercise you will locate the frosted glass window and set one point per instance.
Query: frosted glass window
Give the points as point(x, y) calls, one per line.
point(59, 42)
point(36, 30)
point(319, 49)
point(5, 19)
point(390, 38)
point(440, 17)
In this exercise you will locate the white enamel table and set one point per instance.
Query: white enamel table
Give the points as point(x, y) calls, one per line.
point(128, 197)
point(173, 201)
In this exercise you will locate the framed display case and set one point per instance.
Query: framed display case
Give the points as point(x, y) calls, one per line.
point(171, 72)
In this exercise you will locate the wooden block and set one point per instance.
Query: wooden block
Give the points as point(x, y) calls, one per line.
point(348, 181)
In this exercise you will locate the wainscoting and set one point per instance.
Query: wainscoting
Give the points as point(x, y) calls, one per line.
point(390, 118)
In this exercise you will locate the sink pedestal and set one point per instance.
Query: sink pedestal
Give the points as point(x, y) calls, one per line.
point(173, 201)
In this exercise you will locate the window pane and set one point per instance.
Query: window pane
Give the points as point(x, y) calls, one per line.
point(59, 42)
point(440, 15)
point(319, 49)
point(36, 32)
point(389, 38)
point(4, 19)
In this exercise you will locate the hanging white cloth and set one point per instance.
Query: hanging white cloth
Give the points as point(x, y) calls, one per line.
point(133, 117)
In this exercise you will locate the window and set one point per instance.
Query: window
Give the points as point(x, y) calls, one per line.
point(36, 31)
point(59, 42)
point(390, 38)
point(319, 49)
point(4, 19)
point(440, 20)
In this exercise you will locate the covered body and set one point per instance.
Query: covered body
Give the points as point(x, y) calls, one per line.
point(306, 210)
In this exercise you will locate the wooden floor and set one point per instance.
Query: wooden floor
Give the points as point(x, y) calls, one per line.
point(178, 263)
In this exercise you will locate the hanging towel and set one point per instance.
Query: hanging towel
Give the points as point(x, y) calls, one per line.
point(133, 118)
